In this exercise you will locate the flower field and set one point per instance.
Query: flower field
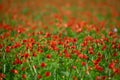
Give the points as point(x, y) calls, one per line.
point(59, 40)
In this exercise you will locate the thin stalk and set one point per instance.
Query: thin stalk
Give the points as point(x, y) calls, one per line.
point(4, 66)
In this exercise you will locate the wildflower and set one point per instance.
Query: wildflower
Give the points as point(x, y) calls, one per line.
point(14, 71)
point(1, 46)
point(110, 33)
point(26, 55)
point(53, 43)
point(115, 54)
point(34, 54)
point(97, 61)
point(20, 30)
point(83, 56)
point(74, 67)
point(83, 63)
point(23, 68)
point(7, 49)
point(2, 76)
point(67, 55)
point(16, 45)
point(47, 34)
point(73, 47)
point(17, 61)
point(91, 50)
point(75, 78)
point(113, 46)
point(47, 74)
point(39, 76)
point(99, 68)
point(104, 47)
point(43, 65)
point(111, 65)
point(100, 77)
point(24, 76)
point(48, 56)
point(118, 46)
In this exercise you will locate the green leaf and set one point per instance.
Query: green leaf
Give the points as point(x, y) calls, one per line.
point(25, 10)
point(37, 17)
point(100, 17)
point(118, 31)
point(65, 73)
point(70, 33)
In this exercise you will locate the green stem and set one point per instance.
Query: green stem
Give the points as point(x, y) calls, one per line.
point(4, 66)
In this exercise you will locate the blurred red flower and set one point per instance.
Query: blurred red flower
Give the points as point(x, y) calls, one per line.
point(24, 76)
point(14, 71)
point(39, 76)
point(42, 64)
point(48, 56)
point(47, 74)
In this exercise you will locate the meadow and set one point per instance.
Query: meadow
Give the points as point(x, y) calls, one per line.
point(59, 40)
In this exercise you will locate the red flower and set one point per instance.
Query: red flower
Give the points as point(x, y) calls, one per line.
point(47, 35)
point(74, 67)
point(2, 76)
point(43, 65)
point(29, 45)
point(48, 56)
point(113, 46)
point(1, 46)
point(47, 74)
point(110, 33)
point(106, 39)
point(7, 49)
point(74, 40)
point(100, 77)
point(24, 41)
point(60, 54)
point(14, 71)
point(119, 46)
point(16, 45)
point(115, 54)
point(97, 61)
point(79, 30)
point(67, 55)
point(34, 54)
point(83, 63)
point(83, 56)
point(55, 48)
point(91, 50)
point(23, 68)
point(74, 78)
point(115, 70)
point(39, 76)
point(111, 65)
point(73, 47)
point(17, 61)
point(26, 55)
point(99, 68)
point(53, 43)
point(20, 30)
point(104, 47)
point(24, 76)
point(85, 43)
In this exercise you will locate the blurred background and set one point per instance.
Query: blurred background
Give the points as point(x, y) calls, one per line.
point(105, 12)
